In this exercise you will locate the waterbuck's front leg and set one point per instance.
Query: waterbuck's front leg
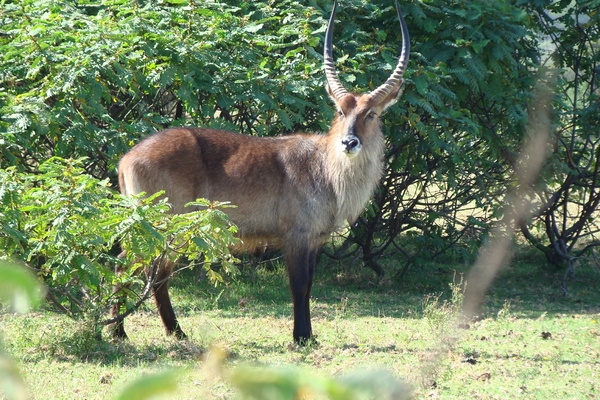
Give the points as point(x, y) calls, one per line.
point(312, 264)
point(300, 261)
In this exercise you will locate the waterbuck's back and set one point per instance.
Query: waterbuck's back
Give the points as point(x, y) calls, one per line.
point(278, 185)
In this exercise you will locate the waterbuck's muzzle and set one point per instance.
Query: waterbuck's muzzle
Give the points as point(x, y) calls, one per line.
point(351, 144)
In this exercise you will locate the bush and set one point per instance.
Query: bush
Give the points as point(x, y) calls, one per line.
point(64, 223)
point(565, 226)
point(89, 79)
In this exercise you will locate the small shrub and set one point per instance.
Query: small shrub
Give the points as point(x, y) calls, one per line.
point(64, 223)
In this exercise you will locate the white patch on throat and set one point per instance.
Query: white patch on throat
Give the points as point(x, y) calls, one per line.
point(354, 177)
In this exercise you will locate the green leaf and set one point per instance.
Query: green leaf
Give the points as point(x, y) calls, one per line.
point(151, 386)
point(149, 229)
point(479, 45)
point(253, 28)
point(285, 118)
point(290, 383)
point(12, 384)
point(201, 243)
point(19, 287)
point(421, 84)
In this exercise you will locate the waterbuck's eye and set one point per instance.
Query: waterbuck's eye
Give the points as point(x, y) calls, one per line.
point(340, 113)
point(371, 115)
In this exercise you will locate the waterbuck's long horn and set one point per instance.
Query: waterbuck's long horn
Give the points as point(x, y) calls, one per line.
point(333, 81)
point(396, 78)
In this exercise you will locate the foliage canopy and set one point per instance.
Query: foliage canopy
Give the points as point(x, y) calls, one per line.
point(88, 79)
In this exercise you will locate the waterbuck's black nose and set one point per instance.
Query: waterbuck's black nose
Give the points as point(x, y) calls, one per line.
point(351, 144)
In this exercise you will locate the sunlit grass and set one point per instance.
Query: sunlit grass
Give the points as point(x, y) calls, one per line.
point(528, 341)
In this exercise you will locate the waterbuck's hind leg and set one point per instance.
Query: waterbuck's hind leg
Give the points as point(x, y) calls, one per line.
point(312, 264)
point(163, 302)
point(298, 261)
point(117, 329)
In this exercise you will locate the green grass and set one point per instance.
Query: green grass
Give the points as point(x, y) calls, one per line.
point(529, 341)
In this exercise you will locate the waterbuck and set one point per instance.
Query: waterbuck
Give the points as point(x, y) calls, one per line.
point(291, 192)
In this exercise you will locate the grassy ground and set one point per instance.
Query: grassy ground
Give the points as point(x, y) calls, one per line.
point(529, 341)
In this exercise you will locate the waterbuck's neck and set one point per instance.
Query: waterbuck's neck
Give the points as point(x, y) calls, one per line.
point(353, 179)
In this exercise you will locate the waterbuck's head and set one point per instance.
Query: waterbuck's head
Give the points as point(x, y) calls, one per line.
point(357, 122)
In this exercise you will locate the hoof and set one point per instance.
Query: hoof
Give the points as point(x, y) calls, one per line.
point(307, 341)
point(118, 332)
point(178, 333)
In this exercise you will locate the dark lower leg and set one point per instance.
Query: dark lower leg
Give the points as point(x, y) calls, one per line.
point(312, 262)
point(300, 276)
point(117, 329)
point(164, 307)
point(302, 330)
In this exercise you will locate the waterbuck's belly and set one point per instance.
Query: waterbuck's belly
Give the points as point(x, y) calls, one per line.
point(270, 224)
